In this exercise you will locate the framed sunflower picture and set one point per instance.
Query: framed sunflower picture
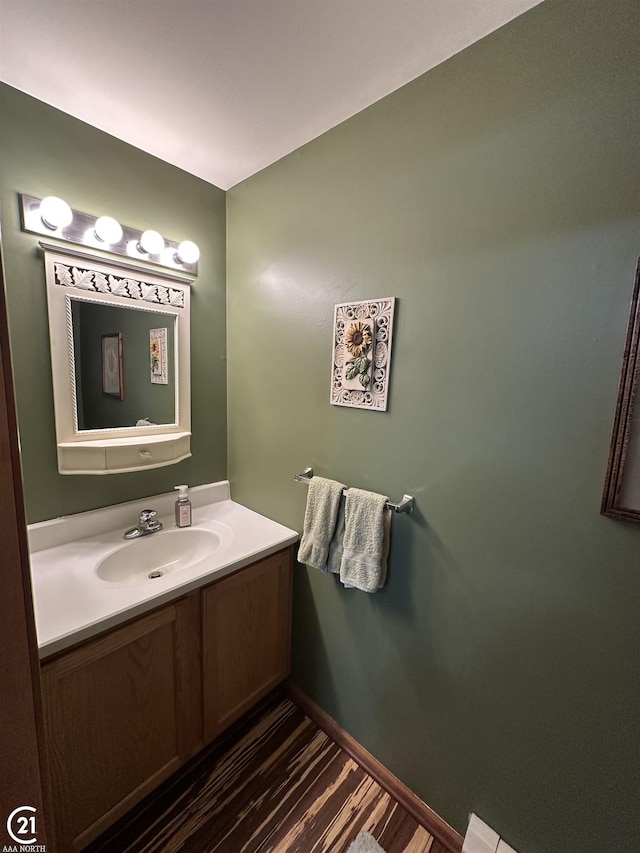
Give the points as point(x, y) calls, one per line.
point(361, 362)
point(158, 356)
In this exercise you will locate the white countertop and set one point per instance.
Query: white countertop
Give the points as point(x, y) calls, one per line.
point(72, 604)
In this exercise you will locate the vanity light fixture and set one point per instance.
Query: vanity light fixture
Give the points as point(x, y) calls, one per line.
point(52, 217)
point(55, 212)
point(108, 230)
point(188, 252)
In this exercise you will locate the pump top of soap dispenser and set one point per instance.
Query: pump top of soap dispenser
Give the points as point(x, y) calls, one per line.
point(183, 492)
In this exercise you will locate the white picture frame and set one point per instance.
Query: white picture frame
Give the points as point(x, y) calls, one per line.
point(361, 360)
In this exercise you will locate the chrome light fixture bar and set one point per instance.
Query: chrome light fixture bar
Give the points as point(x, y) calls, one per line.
point(50, 218)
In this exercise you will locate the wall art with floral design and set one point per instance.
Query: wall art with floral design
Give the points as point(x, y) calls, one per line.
point(362, 353)
point(158, 356)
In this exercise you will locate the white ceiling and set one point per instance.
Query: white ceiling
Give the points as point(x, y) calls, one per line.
point(222, 88)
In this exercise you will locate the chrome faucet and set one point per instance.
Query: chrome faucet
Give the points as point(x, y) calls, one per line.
point(147, 523)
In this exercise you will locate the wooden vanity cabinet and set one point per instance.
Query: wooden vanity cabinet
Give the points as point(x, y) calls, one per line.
point(246, 639)
point(125, 710)
point(121, 715)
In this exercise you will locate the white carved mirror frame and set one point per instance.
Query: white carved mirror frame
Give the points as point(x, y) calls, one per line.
point(80, 276)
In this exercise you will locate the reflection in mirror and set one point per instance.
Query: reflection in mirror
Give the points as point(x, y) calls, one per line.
point(148, 379)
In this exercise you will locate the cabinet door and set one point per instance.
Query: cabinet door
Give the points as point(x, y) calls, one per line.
point(246, 637)
point(122, 712)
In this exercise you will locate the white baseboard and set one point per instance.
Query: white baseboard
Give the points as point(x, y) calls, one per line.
point(480, 838)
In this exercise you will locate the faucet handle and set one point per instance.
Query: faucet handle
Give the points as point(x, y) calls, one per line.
point(146, 524)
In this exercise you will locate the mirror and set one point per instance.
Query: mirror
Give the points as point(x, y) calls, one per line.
point(119, 338)
point(134, 348)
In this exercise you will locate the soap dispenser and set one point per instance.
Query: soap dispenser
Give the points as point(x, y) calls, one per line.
point(183, 507)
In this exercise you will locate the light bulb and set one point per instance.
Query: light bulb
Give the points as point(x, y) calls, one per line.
point(151, 242)
point(108, 230)
point(188, 253)
point(55, 213)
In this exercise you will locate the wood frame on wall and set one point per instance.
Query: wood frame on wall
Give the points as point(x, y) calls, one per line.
point(621, 497)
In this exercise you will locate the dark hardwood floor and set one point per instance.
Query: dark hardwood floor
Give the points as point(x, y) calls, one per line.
point(275, 783)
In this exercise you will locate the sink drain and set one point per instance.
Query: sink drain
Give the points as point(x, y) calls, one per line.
point(156, 574)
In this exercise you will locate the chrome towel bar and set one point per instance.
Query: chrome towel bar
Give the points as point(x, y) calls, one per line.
point(405, 505)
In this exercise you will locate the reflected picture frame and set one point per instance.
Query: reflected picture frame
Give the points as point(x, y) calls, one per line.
point(112, 376)
point(158, 356)
point(621, 496)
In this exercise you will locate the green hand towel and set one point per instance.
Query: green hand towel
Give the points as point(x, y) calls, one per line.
point(366, 540)
point(323, 502)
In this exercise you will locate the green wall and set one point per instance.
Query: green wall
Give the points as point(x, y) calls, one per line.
point(496, 197)
point(46, 152)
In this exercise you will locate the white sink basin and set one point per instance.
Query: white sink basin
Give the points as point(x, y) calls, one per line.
point(145, 560)
point(87, 578)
